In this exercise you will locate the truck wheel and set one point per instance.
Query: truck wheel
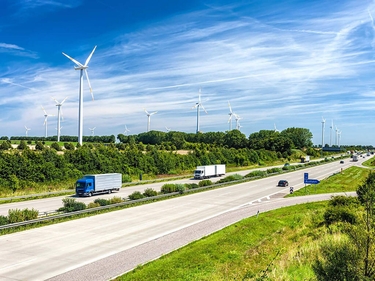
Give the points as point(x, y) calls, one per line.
point(90, 194)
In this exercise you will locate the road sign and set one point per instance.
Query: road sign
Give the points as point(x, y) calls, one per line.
point(309, 181)
point(312, 181)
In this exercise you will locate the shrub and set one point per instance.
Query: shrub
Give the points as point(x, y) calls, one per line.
point(126, 178)
point(102, 201)
point(257, 173)
point(136, 195)
point(15, 215)
point(71, 205)
point(56, 146)
point(92, 205)
point(274, 170)
point(116, 200)
point(149, 192)
point(191, 185)
point(69, 146)
point(230, 178)
point(180, 188)
point(30, 214)
point(205, 183)
point(168, 188)
point(3, 220)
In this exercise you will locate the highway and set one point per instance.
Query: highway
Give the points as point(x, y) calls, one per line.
point(54, 251)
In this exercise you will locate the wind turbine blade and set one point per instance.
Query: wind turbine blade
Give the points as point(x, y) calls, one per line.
point(88, 81)
point(230, 108)
point(203, 108)
point(73, 60)
point(89, 58)
point(153, 113)
point(44, 110)
point(63, 100)
point(146, 112)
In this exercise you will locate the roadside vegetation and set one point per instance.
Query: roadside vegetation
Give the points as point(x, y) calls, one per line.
point(331, 240)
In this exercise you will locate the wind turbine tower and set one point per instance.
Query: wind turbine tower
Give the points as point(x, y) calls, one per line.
point(198, 105)
point(27, 130)
point(330, 136)
point(126, 130)
point(59, 115)
point(46, 121)
point(323, 126)
point(230, 117)
point(149, 118)
point(81, 68)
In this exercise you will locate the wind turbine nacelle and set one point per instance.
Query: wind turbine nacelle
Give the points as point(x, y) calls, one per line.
point(80, 67)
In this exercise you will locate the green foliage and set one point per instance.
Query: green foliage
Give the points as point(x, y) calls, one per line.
point(3, 220)
point(71, 205)
point(102, 201)
point(191, 185)
point(92, 205)
point(69, 146)
point(5, 145)
point(257, 173)
point(136, 195)
point(181, 188)
point(17, 215)
point(168, 188)
point(116, 200)
point(149, 192)
point(230, 178)
point(39, 145)
point(274, 170)
point(342, 214)
point(205, 183)
point(126, 178)
point(56, 146)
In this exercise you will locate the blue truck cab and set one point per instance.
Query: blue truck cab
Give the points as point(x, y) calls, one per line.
point(85, 186)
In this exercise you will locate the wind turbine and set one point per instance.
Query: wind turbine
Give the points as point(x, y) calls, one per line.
point(330, 136)
point(27, 130)
point(167, 129)
point(81, 67)
point(337, 135)
point(230, 117)
point(198, 105)
point(59, 114)
point(275, 129)
point(92, 131)
point(339, 138)
point(46, 121)
point(149, 118)
point(323, 126)
point(238, 118)
point(126, 130)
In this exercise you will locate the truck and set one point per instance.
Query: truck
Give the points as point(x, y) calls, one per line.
point(205, 172)
point(98, 183)
point(305, 159)
point(355, 158)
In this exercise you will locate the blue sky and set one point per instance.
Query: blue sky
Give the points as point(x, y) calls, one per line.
point(278, 63)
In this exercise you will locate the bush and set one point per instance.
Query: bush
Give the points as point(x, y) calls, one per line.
point(205, 183)
point(230, 178)
point(168, 188)
point(56, 146)
point(254, 174)
point(149, 192)
point(191, 185)
point(116, 200)
point(102, 201)
point(15, 215)
point(180, 188)
point(71, 205)
point(3, 220)
point(136, 195)
point(92, 205)
point(274, 170)
point(126, 178)
point(30, 214)
point(69, 146)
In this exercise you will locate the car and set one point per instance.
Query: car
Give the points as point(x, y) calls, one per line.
point(283, 183)
point(342, 162)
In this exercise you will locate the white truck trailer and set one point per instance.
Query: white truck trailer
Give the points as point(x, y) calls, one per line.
point(205, 172)
point(98, 183)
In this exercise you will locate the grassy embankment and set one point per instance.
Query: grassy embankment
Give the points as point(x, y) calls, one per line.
point(277, 245)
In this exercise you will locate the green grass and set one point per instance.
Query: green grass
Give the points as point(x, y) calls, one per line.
point(345, 181)
point(278, 245)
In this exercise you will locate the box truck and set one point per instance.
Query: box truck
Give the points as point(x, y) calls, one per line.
point(205, 172)
point(355, 158)
point(305, 159)
point(99, 183)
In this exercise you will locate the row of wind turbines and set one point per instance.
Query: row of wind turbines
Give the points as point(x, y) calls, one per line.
point(337, 134)
point(83, 69)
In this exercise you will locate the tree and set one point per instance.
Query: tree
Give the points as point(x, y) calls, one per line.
point(300, 137)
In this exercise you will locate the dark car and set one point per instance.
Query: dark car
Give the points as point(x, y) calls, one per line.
point(342, 162)
point(283, 183)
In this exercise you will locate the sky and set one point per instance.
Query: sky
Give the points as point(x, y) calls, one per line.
point(280, 64)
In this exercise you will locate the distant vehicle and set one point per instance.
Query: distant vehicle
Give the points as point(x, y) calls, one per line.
point(283, 183)
point(305, 159)
point(342, 162)
point(205, 172)
point(99, 183)
point(286, 165)
point(355, 158)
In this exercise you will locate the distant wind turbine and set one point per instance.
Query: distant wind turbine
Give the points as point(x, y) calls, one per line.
point(126, 130)
point(275, 129)
point(198, 105)
point(81, 67)
point(59, 116)
point(92, 131)
point(230, 117)
point(46, 121)
point(330, 135)
point(238, 118)
point(149, 118)
point(167, 129)
point(323, 126)
point(27, 130)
